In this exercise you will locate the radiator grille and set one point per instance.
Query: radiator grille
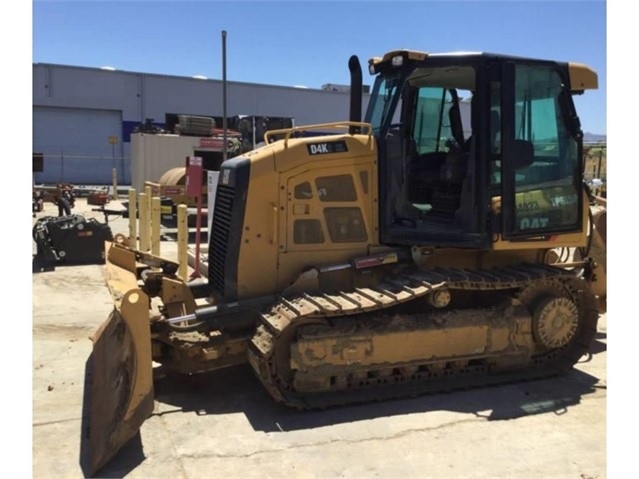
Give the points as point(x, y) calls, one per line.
point(219, 242)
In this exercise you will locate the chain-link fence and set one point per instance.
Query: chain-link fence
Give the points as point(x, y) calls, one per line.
point(595, 167)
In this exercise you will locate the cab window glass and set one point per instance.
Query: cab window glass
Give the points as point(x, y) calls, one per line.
point(546, 190)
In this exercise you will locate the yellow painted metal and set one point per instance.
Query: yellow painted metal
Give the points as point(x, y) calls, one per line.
point(598, 248)
point(411, 54)
point(155, 188)
point(417, 345)
point(155, 226)
point(148, 192)
point(120, 269)
point(177, 297)
point(144, 222)
point(568, 240)
point(582, 77)
point(267, 242)
point(366, 128)
point(133, 218)
point(502, 335)
point(183, 238)
point(122, 378)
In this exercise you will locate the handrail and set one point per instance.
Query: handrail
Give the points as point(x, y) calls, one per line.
point(336, 125)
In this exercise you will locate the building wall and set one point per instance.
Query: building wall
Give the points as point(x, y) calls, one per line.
point(75, 144)
point(73, 110)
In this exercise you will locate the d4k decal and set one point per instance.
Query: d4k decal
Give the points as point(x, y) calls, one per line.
point(328, 147)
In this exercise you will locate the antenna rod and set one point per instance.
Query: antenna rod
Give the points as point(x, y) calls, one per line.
point(224, 126)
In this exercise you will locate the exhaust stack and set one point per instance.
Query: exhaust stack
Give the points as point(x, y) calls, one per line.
point(355, 113)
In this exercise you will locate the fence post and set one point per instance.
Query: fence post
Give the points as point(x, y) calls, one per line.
point(599, 189)
point(599, 164)
point(183, 241)
point(133, 219)
point(114, 176)
point(62, 165)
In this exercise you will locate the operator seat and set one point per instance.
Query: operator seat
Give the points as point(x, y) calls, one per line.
point(495, 147)
point(495, 130)
point(445, 192)
point(454, 168)
point(456, 126)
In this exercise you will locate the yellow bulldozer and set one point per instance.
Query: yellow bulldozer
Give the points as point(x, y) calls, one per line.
point(446, 240)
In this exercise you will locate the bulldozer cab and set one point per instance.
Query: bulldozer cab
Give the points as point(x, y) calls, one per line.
point(477, 146)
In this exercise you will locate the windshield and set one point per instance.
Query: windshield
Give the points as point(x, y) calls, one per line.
point(428, 82)
point(384, 106)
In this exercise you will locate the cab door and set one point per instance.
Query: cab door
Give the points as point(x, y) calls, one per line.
point(541, 146)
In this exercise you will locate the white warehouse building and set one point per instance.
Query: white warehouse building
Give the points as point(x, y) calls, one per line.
point(83, 117)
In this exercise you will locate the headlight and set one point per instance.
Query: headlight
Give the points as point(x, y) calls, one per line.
point(397, 61)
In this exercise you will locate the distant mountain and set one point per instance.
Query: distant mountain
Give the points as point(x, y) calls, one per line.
point(594, 138)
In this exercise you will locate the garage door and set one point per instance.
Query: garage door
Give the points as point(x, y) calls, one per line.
point(76, 147)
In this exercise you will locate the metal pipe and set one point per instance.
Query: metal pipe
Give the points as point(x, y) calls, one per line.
point(355, 113)
point(223, 316)
point(114, 178)
point(181, 319)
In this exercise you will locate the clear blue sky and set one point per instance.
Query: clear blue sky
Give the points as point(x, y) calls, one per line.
point(309, 43)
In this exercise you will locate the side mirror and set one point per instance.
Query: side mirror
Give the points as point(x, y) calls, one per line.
point(522, 153)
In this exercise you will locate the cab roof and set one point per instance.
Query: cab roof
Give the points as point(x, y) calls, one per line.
point(582, 77)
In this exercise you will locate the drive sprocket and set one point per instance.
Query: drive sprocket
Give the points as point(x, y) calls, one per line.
point(564, 315)
point(555, 322)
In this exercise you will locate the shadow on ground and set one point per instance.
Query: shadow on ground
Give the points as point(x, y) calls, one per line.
point(599, 344)
point(237, 389)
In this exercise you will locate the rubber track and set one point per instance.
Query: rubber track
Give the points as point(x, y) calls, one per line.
point(278, 326)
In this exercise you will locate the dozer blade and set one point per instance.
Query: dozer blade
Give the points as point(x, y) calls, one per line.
point(122, 384)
